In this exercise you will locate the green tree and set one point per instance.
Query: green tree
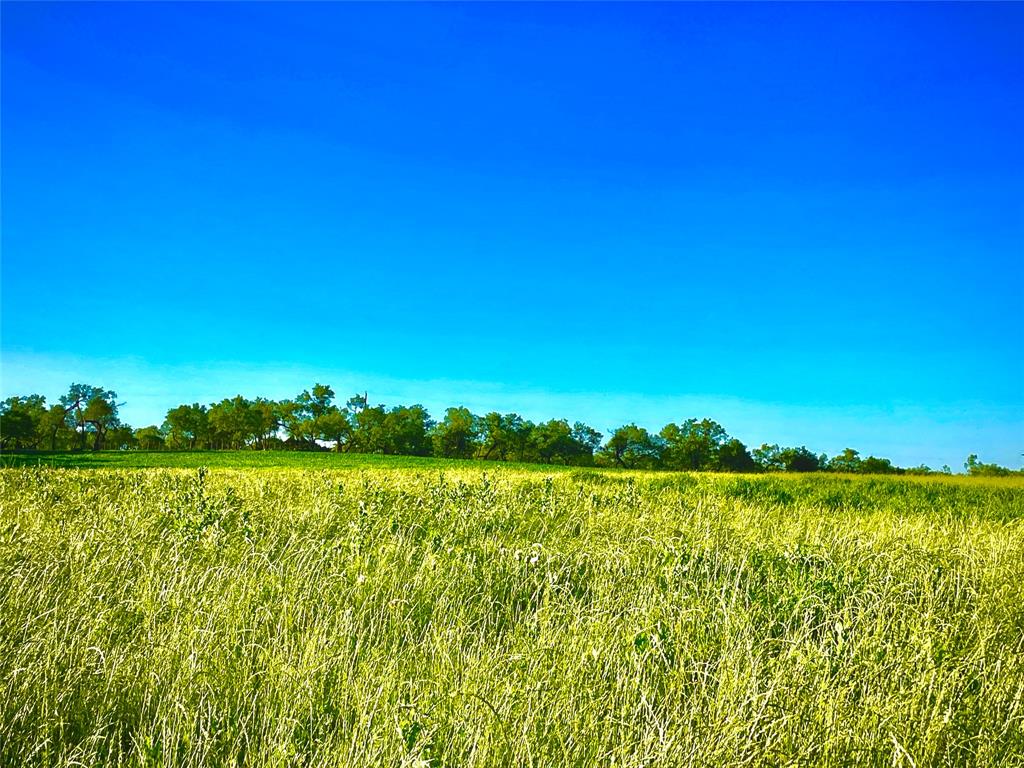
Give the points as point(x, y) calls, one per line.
point(234, 422)
point(457, 435)
point(733, 456)
point(920, 469)
point(120, 437)
point(589, 440)
point(53, 428)
point(319, 401)
point(633, 447)
point(768, 458)
point(298, 424)
point(847, 461)
point(101, 417)
point(315, 417)
point(312, 416)
point(552, 441)
point(504, 436)
point(406, 431)
point(334, 426)
point(493, 442)
point(149, 438)
point(875, 466)
point(518, 431)
point(555, 442)
point(188, 426)
point(20, 419)
point(369, 434)
point(799, 460)
point(265, 419)
point(980, 469)
point(357, 403)
point(693, 445)
point(16, 426)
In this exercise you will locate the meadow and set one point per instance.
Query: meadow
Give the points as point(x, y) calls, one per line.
point(243, 459)
point(377, 612)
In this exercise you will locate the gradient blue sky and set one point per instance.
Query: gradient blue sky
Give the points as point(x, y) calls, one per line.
point(805, 221)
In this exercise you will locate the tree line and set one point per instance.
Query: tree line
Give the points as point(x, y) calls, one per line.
point(87, 418)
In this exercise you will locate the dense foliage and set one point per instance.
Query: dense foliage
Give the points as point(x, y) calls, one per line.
point(88, 417)
point(395, 617)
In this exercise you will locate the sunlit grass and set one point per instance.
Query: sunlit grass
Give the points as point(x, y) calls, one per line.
point(237, 460)
point(467, 618)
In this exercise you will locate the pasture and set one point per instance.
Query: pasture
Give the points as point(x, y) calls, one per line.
point(417, 613)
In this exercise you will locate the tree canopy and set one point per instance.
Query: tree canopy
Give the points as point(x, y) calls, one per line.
point(87, 417)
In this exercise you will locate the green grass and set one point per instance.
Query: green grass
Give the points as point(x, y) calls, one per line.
point(243, 460)
point(410, 615)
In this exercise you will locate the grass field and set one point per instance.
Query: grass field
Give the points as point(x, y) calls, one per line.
point(407, 613)
point(244, 460)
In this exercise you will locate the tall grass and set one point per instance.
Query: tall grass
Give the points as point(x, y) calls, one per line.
point(403, 618)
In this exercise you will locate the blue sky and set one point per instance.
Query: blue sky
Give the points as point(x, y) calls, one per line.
point(805, 221)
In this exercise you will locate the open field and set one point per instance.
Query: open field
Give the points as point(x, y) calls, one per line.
point(243, 460)
point(412, 614)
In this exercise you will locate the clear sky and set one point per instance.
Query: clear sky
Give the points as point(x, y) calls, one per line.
point(805, 221)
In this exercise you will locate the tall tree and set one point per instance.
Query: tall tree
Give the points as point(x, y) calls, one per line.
point(768, 458)
point(100, 415)
point(493, 440)
point(20, 418)
point(981, 469)
point(357, 403)
point(407, 431)
point(800, 460)
point(517, 432)
point(313, 416)
point(369, 432)
point(53, 428)
point(334, 426)
point(733, 456)
point(90, 410)
point(504, 436)
point(633, 447)
point(149, 438)
point(873, 465)
point(555, 442)
point(847, 461)
point(120, 437)
point(552, 441)
point(265, 417)
point(319, 401)
point(297, 424)
point(589, 440)
point(457, 436)
point(234, 422)
point(693, 445)
point(188, 426)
